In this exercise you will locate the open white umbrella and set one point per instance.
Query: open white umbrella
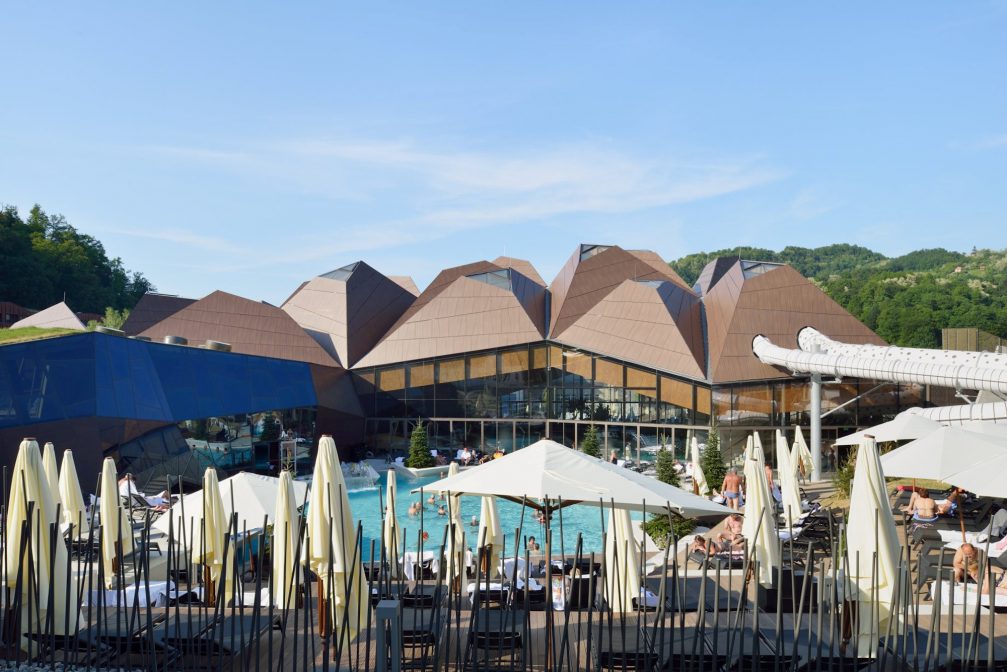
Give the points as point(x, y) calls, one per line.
point(788, 480)
point(51, 469)
point(904, 427)
point(456, 541)
point(698, 476)
point(390, 526)
point(870, 531)
point(210, 537)
point(547, 470)
point(286, 527)
point(490, 537)
point(332, 552)
point(251, 496)
point(622, 562)
point(74, 510)
point(116, 532)
point(759, 506)
point(29, 487)
point(943, 453)
point(984, 477)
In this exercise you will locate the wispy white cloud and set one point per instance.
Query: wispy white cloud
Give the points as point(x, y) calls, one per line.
point(424, 193)
point(175, 236)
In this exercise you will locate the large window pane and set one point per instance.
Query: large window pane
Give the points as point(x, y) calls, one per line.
point(753, 405)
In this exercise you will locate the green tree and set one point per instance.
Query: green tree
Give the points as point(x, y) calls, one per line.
point(114, 319)
point(43, 258)
point(590, 445)
point(712, 460)
point(270, 429)
point(665, 466)
point(419, 448)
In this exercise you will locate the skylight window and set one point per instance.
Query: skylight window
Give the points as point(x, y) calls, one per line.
point(499, 278)
point(343, 273)
point(750, 269)
point(588, 251)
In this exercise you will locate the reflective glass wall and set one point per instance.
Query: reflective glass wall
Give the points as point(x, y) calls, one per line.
point(510, 397)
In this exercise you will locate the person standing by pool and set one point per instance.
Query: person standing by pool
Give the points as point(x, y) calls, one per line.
point(731, 488)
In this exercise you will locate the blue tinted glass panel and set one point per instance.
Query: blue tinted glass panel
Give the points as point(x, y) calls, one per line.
point(47, 380)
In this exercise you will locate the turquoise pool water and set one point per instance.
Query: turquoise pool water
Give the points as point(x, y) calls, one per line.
point(577, 519)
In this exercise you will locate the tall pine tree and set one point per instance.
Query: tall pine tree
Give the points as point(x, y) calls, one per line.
point(590, 445)
point(712, 459)
point(419, 448)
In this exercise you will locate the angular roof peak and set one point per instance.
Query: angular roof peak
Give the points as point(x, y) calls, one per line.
point(593, 271)
point(472, 307)
point(250, 327)
point(58, 316)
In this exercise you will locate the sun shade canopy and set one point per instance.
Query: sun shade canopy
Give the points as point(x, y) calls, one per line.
point(549, 472)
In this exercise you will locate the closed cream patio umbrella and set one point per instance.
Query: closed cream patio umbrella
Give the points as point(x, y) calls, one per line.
point(209, 545)
point(803, 460)
point(286, 529)
point(29, 486)
point(51, 469)
point(490, 536)
point(871, 530)
point(622, 562)
point(698, 476)
point(332, 553)
point(546, 472)
point(456, 541)
point(116, 532)
point(759, 526)
point(74, 511)
point(390, 526)
point(788, 480)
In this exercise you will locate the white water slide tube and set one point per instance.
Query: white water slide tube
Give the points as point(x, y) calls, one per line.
point(942, 368)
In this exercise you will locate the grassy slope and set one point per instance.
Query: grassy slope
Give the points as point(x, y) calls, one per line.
point(8, 336)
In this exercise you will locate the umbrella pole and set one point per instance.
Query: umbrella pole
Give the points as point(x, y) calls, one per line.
point(961, 520)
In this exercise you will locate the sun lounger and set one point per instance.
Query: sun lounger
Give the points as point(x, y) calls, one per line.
point(919, 649)
point(119, 635)
point(205, 641)
point(619, 645)
point(421, 634)
point(495, 640)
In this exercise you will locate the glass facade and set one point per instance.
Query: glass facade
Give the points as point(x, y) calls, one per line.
point(513, 396)
point(156, 402)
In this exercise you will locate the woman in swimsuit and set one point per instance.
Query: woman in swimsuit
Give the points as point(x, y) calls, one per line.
point(924, 508)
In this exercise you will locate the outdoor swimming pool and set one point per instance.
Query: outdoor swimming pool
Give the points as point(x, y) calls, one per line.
point(577, 519)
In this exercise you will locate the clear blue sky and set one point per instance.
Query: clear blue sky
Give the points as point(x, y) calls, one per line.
point(247, 147)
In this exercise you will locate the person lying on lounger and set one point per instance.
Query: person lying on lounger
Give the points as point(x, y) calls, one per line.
point(947, 507)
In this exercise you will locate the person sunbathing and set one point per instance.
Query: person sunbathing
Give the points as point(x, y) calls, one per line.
point(924, 508)
point(731, 535)
point(706, 546)
point(947, 507)
point(966, 563)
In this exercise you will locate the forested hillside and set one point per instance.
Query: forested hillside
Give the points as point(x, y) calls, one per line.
point(43, 258)
point(907, 300)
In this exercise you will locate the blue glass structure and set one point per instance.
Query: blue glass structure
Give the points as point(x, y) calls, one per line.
point(96, 393)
